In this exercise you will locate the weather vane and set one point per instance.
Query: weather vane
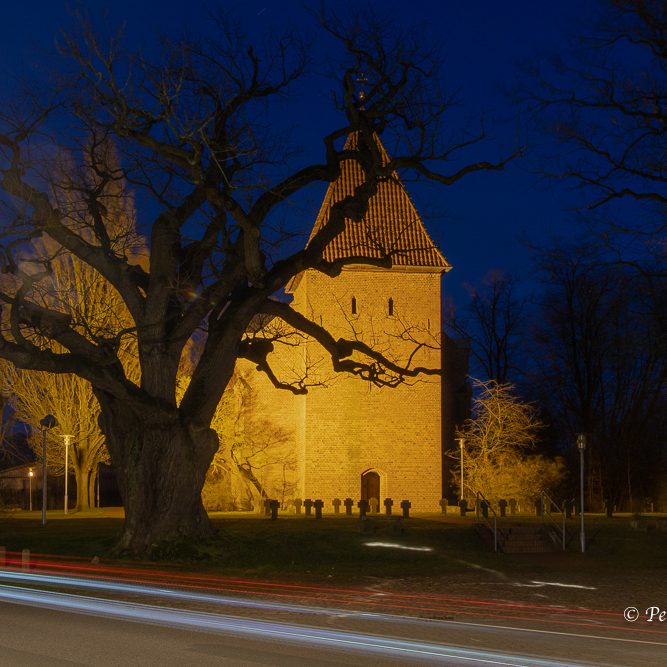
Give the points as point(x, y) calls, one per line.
point(361, 80)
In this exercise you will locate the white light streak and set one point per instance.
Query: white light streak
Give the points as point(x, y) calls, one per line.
point(391, 545)
point(539, 584)
point(202, 621)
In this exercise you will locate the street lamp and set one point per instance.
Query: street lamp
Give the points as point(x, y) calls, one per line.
point(461, 444)
point(67, 439)
point(48, 422)
point(581, 446)
point(31, 474)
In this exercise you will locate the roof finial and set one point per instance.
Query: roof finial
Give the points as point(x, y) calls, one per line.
point(361, 93)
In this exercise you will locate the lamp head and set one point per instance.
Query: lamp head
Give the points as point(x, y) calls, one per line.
point(48, 422)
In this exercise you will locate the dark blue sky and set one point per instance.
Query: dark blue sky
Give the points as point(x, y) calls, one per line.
point(480, 223)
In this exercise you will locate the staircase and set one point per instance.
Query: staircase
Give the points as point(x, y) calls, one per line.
point(519, 539)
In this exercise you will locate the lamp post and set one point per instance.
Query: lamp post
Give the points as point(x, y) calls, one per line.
point(67, 439)
point(48, 422)
point(31, 474)
point(461, 444)
point(581, 446)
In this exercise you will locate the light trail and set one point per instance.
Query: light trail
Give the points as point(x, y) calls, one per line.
point(263, 605)
point(284, 632)
point(264, 587)
point(398, 603)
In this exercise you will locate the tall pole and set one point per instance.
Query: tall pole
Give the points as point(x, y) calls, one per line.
point(581, 445)
point(461, 443)
point(67, 437)
point(30, 475)
point(43, 475)
point(48, 422)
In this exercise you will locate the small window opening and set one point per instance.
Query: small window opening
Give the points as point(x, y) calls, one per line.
point(354, 306)
point(391, 306)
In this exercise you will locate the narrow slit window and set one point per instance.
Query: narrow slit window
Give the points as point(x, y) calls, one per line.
point(391, 306)
point(354, 306)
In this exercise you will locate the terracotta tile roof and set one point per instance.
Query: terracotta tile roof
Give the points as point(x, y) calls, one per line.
point(391, 225)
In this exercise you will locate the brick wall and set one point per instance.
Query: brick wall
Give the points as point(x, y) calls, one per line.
point(351, 426)
point(348, 426)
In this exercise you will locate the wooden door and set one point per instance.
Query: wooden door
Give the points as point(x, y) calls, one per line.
point(370, 486)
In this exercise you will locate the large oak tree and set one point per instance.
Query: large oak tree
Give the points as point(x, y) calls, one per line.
point(194, 133)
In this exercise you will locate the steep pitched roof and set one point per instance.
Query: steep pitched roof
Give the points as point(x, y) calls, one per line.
point(391, 226)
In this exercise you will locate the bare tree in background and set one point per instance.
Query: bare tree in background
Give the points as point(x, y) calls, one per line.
point(494, 324)
point(607, 106)
point(75, 288)
point(256, 460)
point(602, 360)
point(194, 131)
point(498, 440)
point(70, 399)
point(7, 452)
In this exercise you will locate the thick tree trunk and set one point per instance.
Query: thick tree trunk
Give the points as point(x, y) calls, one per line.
point(161, 466)
point(85, 487)
point(82, 475)
point(92, 479)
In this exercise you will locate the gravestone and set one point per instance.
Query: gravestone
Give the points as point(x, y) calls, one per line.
point(297, 505)
point(308, 504)
point(336, 505)
point(318, 508)
point(463, 506)
point(349, 503)
point(388, 504)
point(274, 505)
point(443, 505)
point(363, 508)
point(405, 506)
point(374, 505)
point(502, 504)
point(513, 506)
point(484, 508)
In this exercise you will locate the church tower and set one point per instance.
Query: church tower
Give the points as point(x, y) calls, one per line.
point(354, 439)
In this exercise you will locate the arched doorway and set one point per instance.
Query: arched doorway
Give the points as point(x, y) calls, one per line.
point(370, 486)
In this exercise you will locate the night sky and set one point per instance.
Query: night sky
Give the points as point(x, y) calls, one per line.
point(481, 223)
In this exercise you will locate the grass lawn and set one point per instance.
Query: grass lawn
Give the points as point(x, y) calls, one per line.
point(429, 545)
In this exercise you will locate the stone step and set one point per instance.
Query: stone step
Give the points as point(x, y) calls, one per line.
point(526, 539)
point(518, 538)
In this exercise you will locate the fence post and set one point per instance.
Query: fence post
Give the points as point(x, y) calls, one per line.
point(563, 530)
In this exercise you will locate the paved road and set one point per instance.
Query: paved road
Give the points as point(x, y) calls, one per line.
point(39, 627)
